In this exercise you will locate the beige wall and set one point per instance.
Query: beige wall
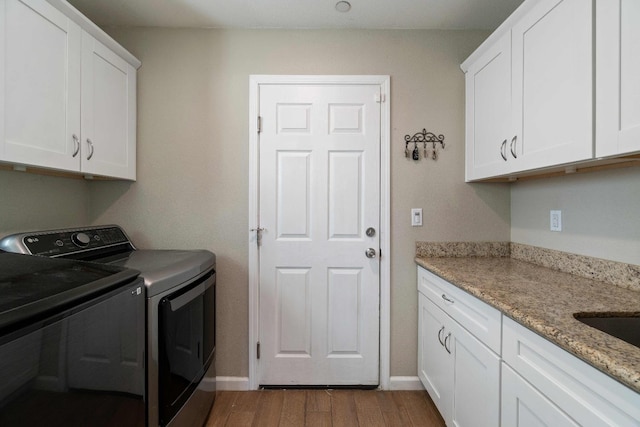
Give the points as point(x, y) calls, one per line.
point(600, 214)
point(192, 188)
point(35, 202)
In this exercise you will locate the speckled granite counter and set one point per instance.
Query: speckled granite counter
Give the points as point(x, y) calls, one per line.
point(544, 300)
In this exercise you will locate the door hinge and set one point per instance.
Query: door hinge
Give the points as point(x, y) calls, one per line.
point(259, 124)
point(380, 98)
point(258, 231)
point(258, 349)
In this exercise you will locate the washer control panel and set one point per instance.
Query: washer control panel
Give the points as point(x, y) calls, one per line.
point(60, 242)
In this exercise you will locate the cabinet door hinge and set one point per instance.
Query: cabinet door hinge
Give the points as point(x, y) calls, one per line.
point(258, 350)
point(259, 124)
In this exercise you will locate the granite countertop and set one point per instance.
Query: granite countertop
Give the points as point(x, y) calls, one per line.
point(545, 300)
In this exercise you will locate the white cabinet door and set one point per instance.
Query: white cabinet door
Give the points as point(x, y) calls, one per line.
point(461, 374)
point(476, 380)
point(434, 363)
point(488, 112)
point(39, 85)
point(617, 80)
point(552, 84)
point(108, 112)
point(524, 406)
point(589, 396)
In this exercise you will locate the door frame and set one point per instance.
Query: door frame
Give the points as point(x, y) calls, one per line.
point(385, 208)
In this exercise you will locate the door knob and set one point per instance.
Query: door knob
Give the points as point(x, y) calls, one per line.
point(370, 253)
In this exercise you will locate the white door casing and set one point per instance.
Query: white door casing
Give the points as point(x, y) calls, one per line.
point(318, 305)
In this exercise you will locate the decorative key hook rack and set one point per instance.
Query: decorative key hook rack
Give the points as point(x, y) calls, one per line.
point(426, 139)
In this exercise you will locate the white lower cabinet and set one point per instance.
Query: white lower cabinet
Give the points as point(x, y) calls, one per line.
point(524, 406)
point(483, 369)
point(461, 374)
point(581, 394)
point(434, 364)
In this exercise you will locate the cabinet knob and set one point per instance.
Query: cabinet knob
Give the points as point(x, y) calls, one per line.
point(446, 340)
point(76, 145)
point(90, 149)
point(440, 336)
point(503, 150)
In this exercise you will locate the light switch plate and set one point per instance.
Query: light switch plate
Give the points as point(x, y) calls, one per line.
point(416, 217)
point(555, 221)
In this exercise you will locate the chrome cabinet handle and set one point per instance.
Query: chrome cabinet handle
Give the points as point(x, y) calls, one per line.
point(370, 253)
point(76, 145)
point(503, 150)
point(440, 337)
point(513, 146)
point(90, 149)
point(449, 300)
point(445, 343)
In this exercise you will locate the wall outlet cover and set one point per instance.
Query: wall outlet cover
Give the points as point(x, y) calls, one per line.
point(555, 221)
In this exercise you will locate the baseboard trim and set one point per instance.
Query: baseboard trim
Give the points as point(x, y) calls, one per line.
point(232, 383)
point(405, 383)
point(242, 383)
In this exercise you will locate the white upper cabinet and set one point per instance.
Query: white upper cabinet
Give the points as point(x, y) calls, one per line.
point(488, 111)
point(552, 84)
point(67, 100)
point(529, 100)
point(617, 78)
point(108, 112)
point(39, 85)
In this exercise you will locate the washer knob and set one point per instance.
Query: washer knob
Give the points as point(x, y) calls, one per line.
point(81, 239)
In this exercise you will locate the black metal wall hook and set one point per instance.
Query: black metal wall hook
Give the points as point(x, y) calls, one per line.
point(425, 138)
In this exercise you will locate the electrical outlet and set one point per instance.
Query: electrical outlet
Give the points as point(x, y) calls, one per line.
point(555, 221)
point(416, 217)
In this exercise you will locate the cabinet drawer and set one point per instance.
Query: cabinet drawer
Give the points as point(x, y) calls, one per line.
point(587, 395)
point(481, 320)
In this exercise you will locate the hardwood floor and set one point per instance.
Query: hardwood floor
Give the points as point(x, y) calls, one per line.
point(335, 408)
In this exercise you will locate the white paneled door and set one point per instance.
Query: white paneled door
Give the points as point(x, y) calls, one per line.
point(319, 194)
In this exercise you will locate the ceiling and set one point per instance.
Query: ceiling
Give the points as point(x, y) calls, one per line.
point(296, 14)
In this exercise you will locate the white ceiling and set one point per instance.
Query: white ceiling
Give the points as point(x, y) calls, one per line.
point(317, 14)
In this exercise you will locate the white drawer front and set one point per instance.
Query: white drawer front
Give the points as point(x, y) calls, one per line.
point(587, 395)
point(481, 320)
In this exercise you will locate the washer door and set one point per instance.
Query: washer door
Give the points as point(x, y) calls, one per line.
point(186, 343)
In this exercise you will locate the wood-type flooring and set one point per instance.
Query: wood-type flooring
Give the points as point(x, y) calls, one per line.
point(334, 408)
